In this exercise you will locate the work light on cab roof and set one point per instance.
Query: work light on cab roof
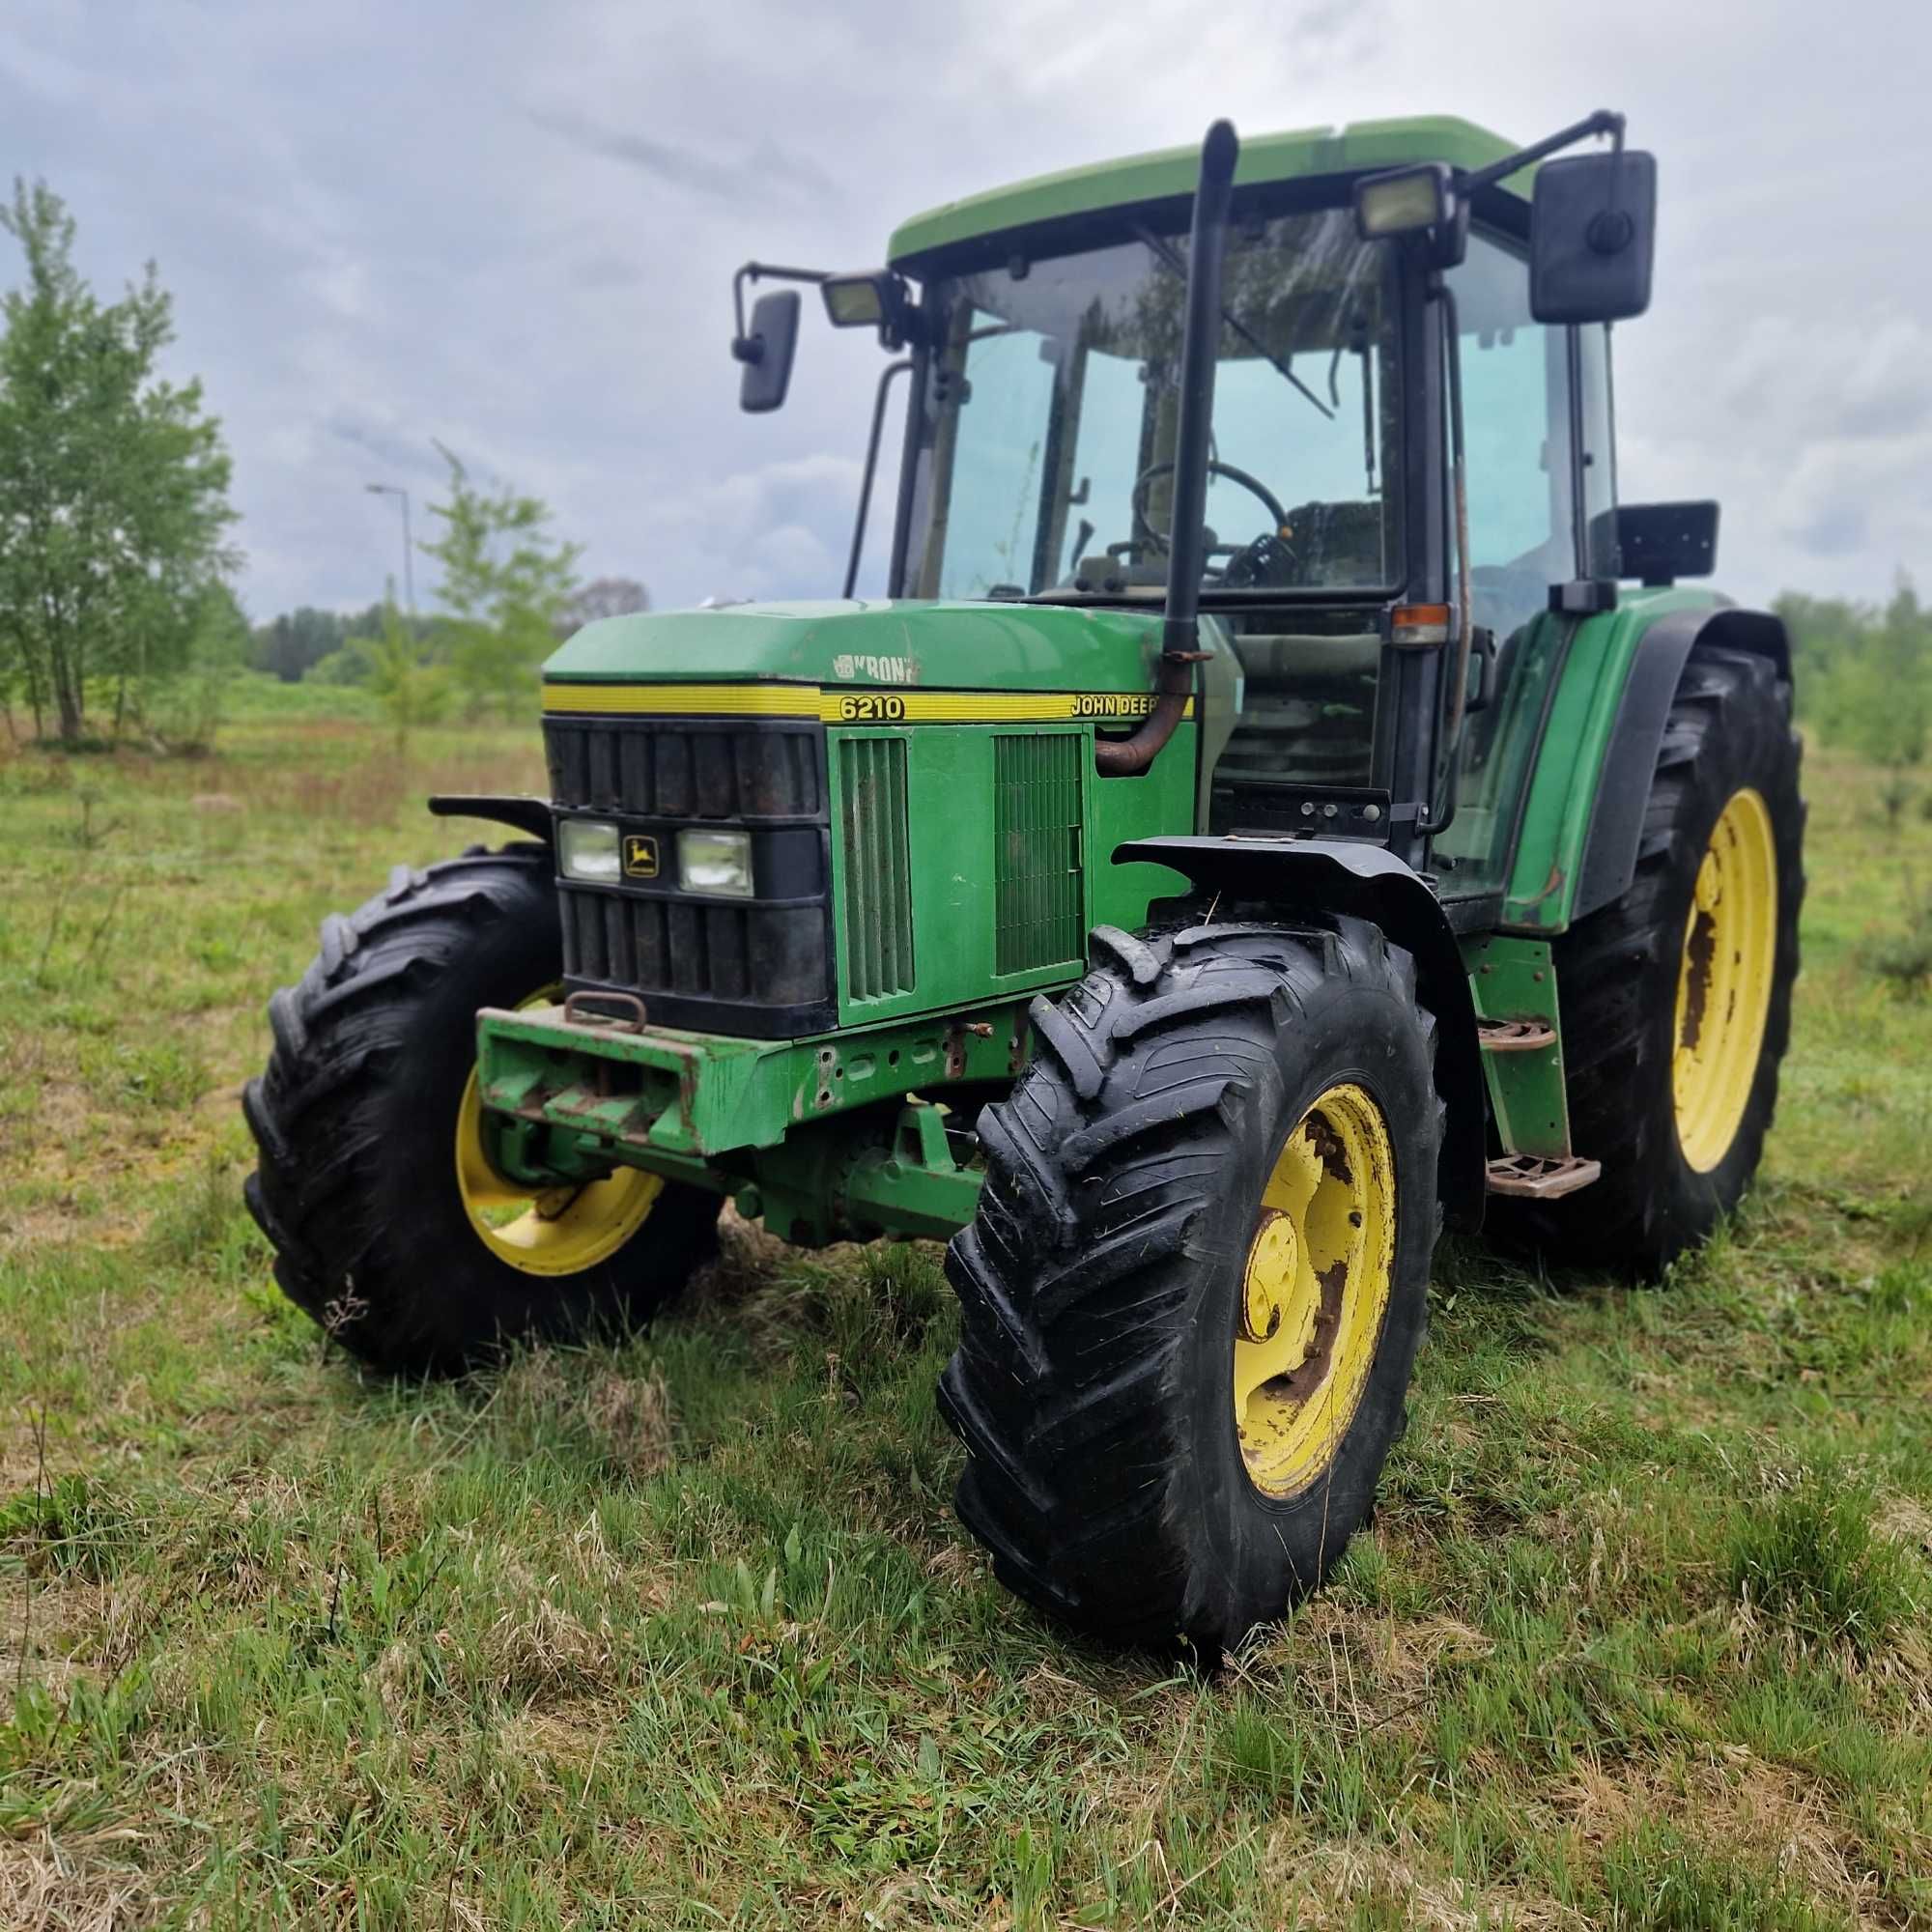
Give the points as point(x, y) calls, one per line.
point(1275, 800)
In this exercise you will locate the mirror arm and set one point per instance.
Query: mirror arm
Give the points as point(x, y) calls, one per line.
point(1579, 509)
point(1602, 122)
point(748, 348)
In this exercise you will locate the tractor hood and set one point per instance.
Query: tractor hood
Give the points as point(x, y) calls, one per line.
point(856, 642)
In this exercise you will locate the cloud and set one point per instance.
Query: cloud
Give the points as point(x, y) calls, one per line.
point(778, 531)
point(767, 170)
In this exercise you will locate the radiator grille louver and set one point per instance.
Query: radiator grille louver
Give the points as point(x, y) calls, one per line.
point(877, 868)
point(1037, 848)
point(691, 770)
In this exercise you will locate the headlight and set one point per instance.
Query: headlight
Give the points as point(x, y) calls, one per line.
point(1403, 202)
point(587, 848)
point(715, 861)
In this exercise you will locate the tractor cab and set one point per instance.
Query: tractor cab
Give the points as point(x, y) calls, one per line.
point(1373, 670)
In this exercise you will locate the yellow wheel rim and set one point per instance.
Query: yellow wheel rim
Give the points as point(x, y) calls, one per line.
point(1723, 986)
point(557, 1231)
point(1313, 1291)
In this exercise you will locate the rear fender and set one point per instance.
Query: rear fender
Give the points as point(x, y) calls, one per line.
point(1581, 817)
point(1629, 758)
point(1366, 882)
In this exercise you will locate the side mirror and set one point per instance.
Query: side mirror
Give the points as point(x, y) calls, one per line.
point(767, 351)
point(1592, 236)
point(1658, 543)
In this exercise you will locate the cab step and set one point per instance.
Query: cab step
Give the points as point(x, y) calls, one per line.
point(1539, 1178)
point(1514, 1036)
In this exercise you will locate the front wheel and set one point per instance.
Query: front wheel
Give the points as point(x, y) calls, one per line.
point(390, 1224)
point(1198, 1277)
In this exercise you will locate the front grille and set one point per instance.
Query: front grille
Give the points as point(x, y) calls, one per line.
point(1037, 850)
point(700, 769)
point(697, 948)
point(877, 868)
point(760, 966)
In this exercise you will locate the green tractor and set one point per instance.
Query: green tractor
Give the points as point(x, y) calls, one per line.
point(1284, 803)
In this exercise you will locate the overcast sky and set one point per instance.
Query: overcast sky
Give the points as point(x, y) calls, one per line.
point(513, 227)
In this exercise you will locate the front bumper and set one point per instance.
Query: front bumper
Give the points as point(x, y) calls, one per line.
point(662, 1097)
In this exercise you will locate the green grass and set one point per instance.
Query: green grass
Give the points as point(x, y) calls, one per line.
point(683, 1633)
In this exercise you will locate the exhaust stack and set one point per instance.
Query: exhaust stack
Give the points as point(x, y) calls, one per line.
point(1181, 632)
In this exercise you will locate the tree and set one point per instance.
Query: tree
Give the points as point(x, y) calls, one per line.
point(505, 583)
point(181, 710)
point(113, 485)
point(601, 597)
point(410, 688)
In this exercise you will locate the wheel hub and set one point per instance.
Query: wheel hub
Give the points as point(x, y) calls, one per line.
point(1270, 1278)
point(1725, 980)
point(548, 1231)
point(1313, 1291)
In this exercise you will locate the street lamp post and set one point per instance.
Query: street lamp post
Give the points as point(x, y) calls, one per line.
point(409, 549)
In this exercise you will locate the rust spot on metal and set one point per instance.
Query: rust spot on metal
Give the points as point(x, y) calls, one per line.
point(1308, 1374)
point(956, 1052)
point(1699, 949)
point(1552, 884)
point(981, 1029)
point(1327, 1146)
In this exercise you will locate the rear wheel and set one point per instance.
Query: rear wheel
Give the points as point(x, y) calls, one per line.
point(390, 1224)
point(1198, 1278)
point(1676, 998)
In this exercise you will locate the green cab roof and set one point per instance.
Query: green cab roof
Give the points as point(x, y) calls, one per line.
point(1361, 147)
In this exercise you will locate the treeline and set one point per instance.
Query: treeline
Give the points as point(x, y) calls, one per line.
point(510, 592)
point(325, 647)
point(1865, 678)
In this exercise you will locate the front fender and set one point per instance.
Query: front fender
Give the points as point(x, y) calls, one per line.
point(1302, 875)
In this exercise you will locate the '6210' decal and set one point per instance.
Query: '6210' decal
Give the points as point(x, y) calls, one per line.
point(872, 707)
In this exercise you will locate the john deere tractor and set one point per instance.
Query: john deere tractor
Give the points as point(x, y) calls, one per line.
point(1284, 802)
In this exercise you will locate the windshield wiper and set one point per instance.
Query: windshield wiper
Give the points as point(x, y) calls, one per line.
point(1169, 256)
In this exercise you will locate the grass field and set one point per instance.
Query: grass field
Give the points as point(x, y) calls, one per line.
point(683, 1633)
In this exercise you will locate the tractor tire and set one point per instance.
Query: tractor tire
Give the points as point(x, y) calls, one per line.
point(1674, 1021)
point(1121, 1265)
point(361, 1117)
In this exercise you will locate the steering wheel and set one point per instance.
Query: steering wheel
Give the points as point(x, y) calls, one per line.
point(1144, 531)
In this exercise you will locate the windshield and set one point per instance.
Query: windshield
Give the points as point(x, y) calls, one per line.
point(1048, 436)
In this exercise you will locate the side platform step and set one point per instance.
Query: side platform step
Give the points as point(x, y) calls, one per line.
point(1514, 1036)
point(1540, 1179)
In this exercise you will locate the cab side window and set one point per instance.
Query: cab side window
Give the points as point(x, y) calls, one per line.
point(1515, 417)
